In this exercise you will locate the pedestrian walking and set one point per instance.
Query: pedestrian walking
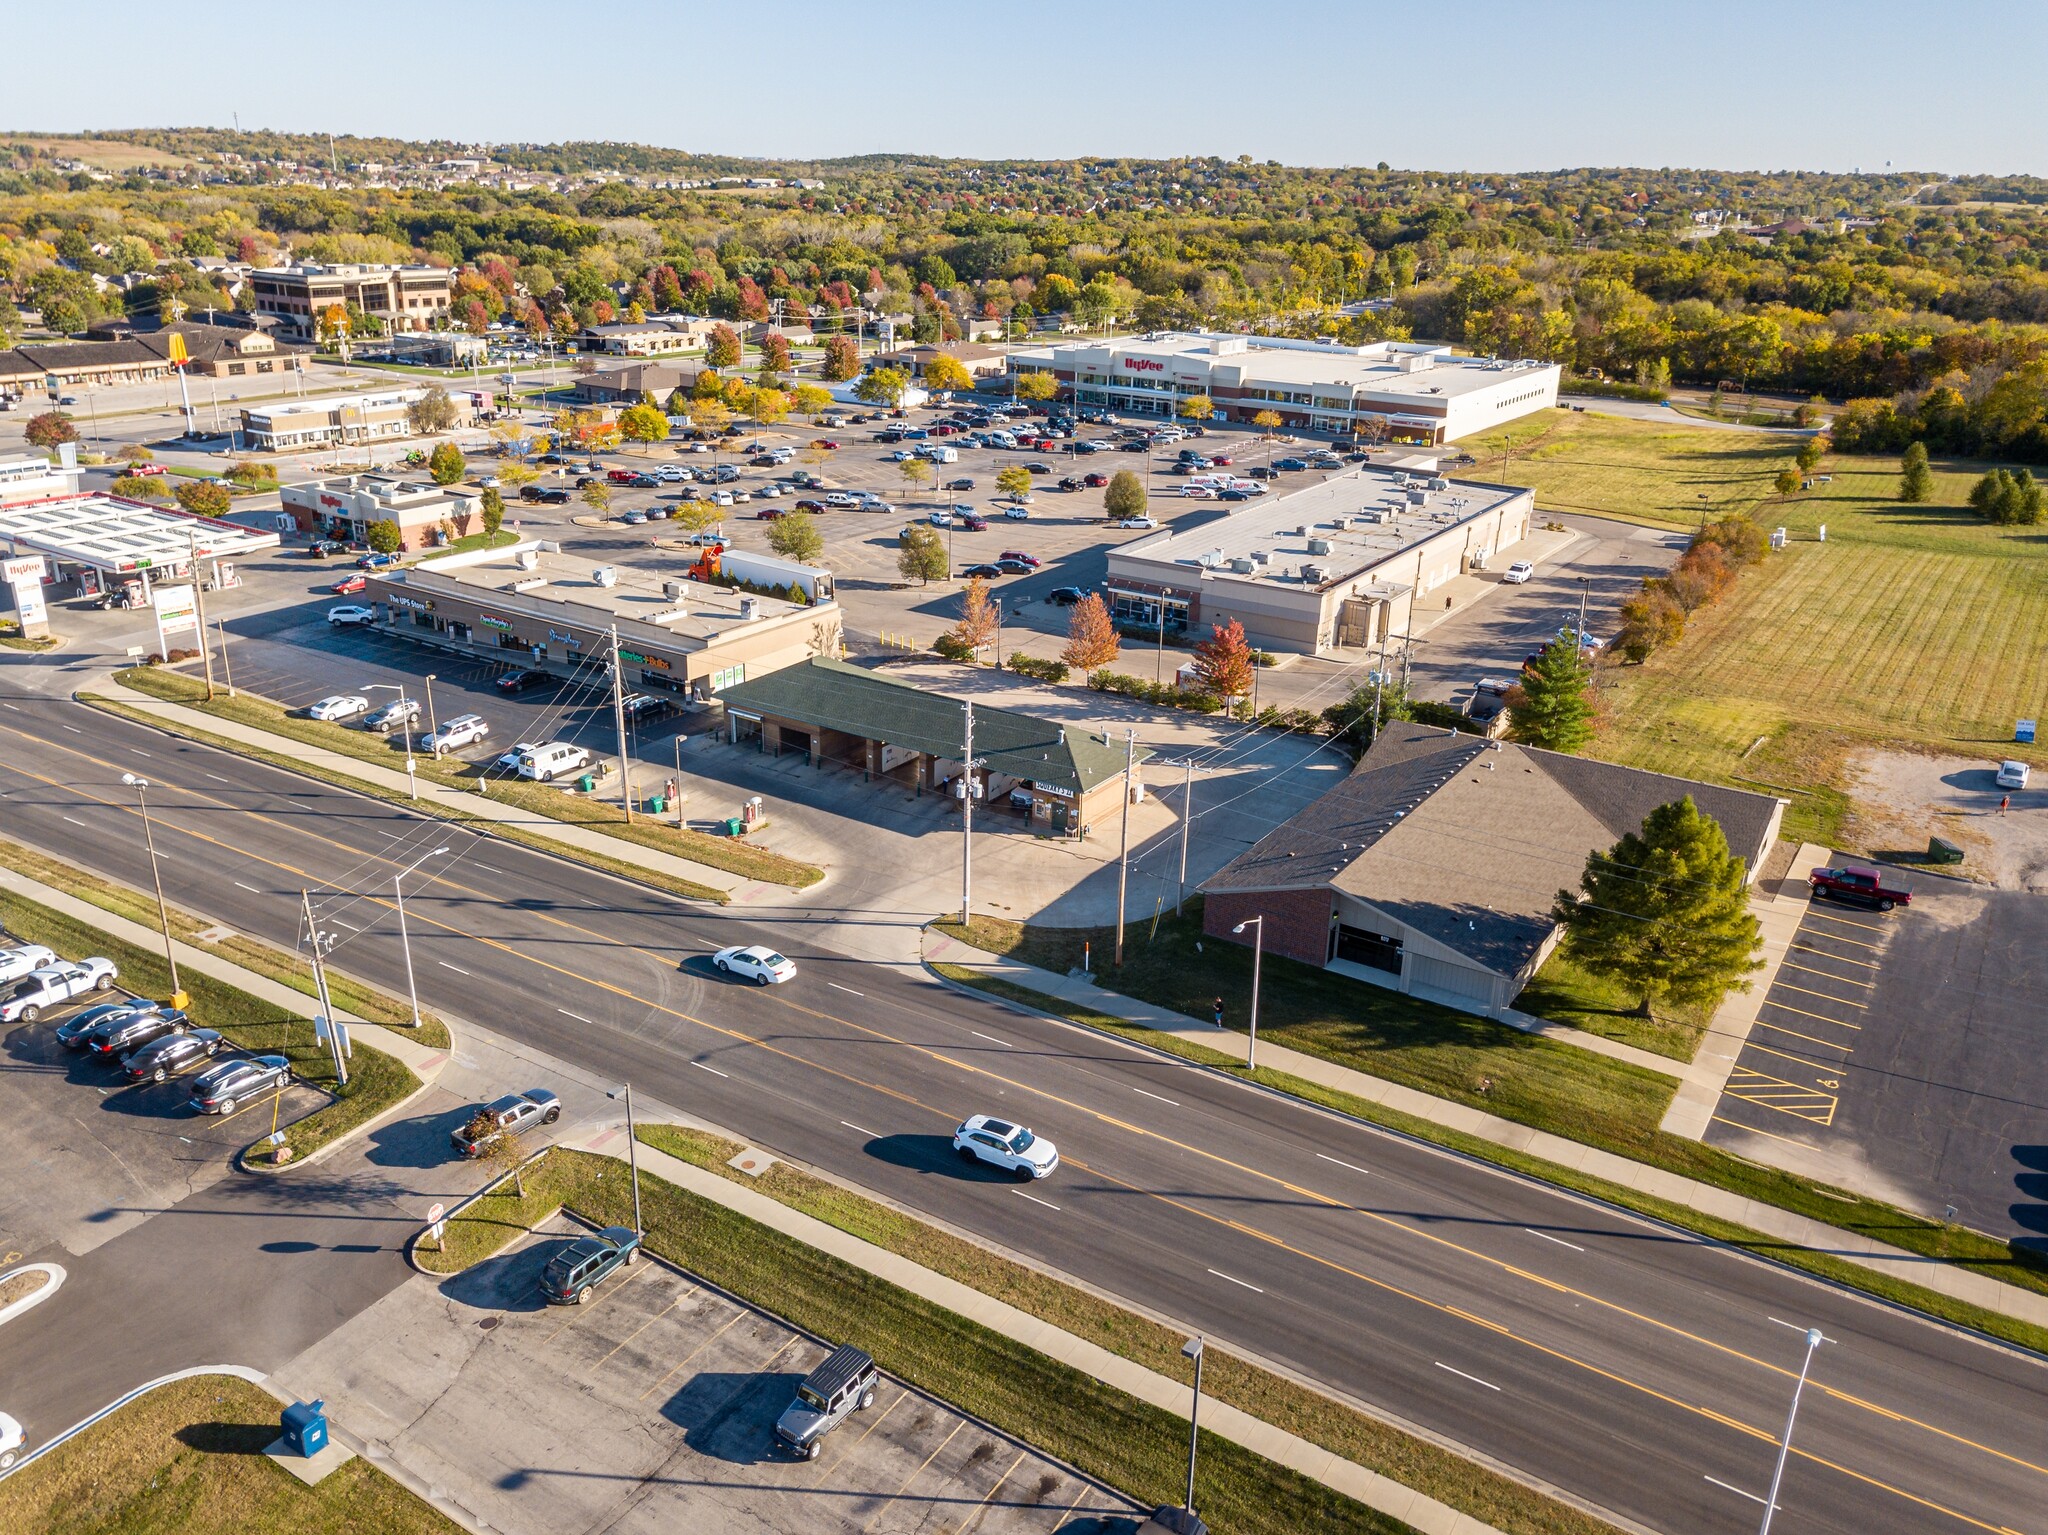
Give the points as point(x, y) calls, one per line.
point(2003, 801)
point(1219, 1012)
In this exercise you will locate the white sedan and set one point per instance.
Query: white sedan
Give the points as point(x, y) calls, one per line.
point(11, 1440)
point(463, 730)
point(509, 763)
point(1138, 522)
point(15, 963)
point(339, 706)
point(2013, 775)
point(351, 614)
point(1001, 1144)
point(763, 964)
point(1518, 573)
point(51, 985)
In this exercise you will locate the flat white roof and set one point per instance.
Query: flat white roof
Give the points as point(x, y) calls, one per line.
point(1421, 369)
point(116, 535)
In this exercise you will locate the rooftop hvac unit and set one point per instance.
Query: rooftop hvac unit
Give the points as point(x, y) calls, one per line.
point(1314, 575)
point(1244, 565)
point(532, 583)
point(1300, 530)
point(747, 606)
point(1418, 497)
point(1341, 524)
point(529, 559)
point(1261, 558)
point(1319, 546)
point(1438, 484)
point(605, 575)
point(673, 590)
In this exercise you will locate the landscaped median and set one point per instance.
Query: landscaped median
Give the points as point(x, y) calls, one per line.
point(1096, 1428)
point(728, 854)
point(377, 1082)
point(1571, 1094)
point(187, 1459)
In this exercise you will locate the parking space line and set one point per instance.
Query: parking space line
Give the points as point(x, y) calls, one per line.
point(1753, 1130)
point(1841, 1023)
point(691, 1355)
point(1779, 1028)
point(1070, 1511)
point(1802, 1060)
point(1840, 980)
point(255, 1104)
point(664, 1311)
point(1828, 916)
point(1875, 948)
point(984, 1503)
point(1806, 991)
point(1840, 959)
point(849, 1446)
point(913, 1476)
point(577, 1311)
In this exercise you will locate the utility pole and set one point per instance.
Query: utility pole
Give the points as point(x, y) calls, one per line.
point(1187, 811)
point(199, 610)
point(1585, 589)
point(1123, 857)
point(327, 1020)
point(619, 719)
point(967, 818)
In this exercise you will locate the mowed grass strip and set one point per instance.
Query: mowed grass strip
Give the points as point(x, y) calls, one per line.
point(730, 854)
point(266, 959)
point(1102, 1431)
point(376, 1081)
point(1428, 1468)
point(187, 1459)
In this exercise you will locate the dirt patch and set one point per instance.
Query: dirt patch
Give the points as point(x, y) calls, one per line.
point(21, 1284)
point(1903, 798)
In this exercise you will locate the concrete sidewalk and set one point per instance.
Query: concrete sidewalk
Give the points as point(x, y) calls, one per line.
point(1768, 1220)
point(1297, 1454)
point(461, 802)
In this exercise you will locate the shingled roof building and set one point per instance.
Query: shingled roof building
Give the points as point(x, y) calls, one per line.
point(852, 717)
point(1434, 866)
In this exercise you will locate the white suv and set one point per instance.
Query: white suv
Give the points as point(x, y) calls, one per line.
point(999, 1143)
point(463, 730)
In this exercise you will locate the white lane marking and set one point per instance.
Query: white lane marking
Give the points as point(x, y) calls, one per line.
point(848, 990)
point(299, 802)
point(140, 752)
point(1560, 1241)
point(1352, 1165)
point(75, 821)
point(349, 925)
point(1046, 1202)
point(446, 966)
point(1167, 1101)
point(1232, 1278)
point(1726, 1487)
point(218, 779)
point(383, 833)
point(862, 1129)
point(74, 730)
point(992, 1039)
point(9, 706)
point(482, 865)
point(712, 1069)
point(250, 888)
point(567, 1014)
point(1489, 1385)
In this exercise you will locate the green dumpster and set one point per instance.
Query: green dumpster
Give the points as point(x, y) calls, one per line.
point(734, 827)
point(1941, 850)
point(587, 783)
point(656, 803)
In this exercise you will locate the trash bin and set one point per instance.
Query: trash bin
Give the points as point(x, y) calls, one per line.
point(1941, 850)
point(734, 827)
point(587, 783)
point(656, 803)
point(305, 1427)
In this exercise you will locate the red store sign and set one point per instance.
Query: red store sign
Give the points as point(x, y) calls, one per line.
point(1143, 365)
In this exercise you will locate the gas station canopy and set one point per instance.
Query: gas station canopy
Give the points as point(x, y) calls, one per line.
point(121, 538)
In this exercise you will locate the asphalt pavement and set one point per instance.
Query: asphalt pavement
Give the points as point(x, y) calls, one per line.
point(1639, 1369)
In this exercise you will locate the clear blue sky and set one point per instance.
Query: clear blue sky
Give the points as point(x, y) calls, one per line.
point(1458, 85)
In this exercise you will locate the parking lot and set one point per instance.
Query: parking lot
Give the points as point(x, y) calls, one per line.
point(1901, 1054)
point(651, 1409)
point(88, 1156)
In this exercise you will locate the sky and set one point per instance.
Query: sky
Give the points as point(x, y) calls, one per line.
point(1460, 85)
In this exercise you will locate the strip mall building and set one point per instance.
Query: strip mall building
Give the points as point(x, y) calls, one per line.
point(1404, 391)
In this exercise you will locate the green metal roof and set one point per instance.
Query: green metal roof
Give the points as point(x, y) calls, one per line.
point(835, 696)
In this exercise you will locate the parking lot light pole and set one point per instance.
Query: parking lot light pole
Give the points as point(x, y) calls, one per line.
point(1258, 926)
point(163, 912)
point(1813, 1341)
point(632, 1152)
point(433, 726)
point(1192, 1349)
point(411, 783)
point(405, 939)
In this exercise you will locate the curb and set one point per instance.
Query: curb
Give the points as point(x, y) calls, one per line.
point(412, 1242)
point(36, 1297)
point(254, 1377)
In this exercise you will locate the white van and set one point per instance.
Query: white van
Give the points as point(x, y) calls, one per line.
point(543, 764)
point(939, 455)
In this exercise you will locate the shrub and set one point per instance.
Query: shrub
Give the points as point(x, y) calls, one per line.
point(1033, 666)
point(1611, 389)
point(1443, 716)
point(953, 648)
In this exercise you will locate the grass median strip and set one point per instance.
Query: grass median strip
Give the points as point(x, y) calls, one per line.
point(376, 1080)
point(187, 1459)
point(1102, 1431)
point(1952, 1244)
point(1414, 1462)
point(266, 959)
point(688, 889)
point(726, 853)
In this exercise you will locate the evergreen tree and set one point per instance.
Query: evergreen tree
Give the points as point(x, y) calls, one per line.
point(1555, 710)
point(1125, 495)
point(1665, 912)
point(923, 554)
point(1916, 481)
point(493, 513)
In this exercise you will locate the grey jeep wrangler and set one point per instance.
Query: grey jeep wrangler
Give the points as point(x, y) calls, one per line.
point(844, 1383)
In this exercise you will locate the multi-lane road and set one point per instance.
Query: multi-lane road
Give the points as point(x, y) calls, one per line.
point(1638, 1369)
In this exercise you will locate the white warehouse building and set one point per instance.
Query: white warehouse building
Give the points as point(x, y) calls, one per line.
point(1399, 391)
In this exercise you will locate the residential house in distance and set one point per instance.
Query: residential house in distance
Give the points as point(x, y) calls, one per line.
point(136, 355)
point(410, 297)
point(626, 385)
point(980, 360)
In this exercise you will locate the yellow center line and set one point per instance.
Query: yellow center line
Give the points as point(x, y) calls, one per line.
point(1317, 1196)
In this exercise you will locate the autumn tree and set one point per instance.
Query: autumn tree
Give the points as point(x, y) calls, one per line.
point(1555, 707)
point(1125, 496)
point(795, 536)
point(493, 512)
point(643, 423)
point(1223, 662)
point(383, 536)
point(916, 472)
point(769, 406)
point(1092, 640)
point(204, 500)
point(884, 386)
point(1665, 912)
point(1014, 480)
point(810, 400)
point(1809, 456)
point(1197, 407)
point(1650, 620)
point(432, 412)
point(1916, 480)
point(141, 487)
point(921, 554)
point(1037, 387)
point(722, 347)
point(49, 429)
point(1267, 421)
point(977, 625)
point(775, 353)
point(842, 359)
point(946, 372)
point(597, 495)
point(446, 464)
point(1788, 482)
point(711, 416)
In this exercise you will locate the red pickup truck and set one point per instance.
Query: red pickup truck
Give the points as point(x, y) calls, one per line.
point(1863, 887)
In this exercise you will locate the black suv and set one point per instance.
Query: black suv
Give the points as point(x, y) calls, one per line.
point(576, 1270)
point(842, 1385)
point(116, 1037)
point(523, 680)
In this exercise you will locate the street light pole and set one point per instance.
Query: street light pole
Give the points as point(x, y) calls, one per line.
point(163, 911)
point(1123, 857)
point(404, 938)
point(1192, 1349)
point(619, 719)
point(632, 1152)
point(1813, 1341)
point(1187, 811)
point(433, 726)
point(1258, 926)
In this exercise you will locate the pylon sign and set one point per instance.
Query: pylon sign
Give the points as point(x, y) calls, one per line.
point(179, 356)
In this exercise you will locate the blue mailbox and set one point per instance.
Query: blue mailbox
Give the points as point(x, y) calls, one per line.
point(305, 1427)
